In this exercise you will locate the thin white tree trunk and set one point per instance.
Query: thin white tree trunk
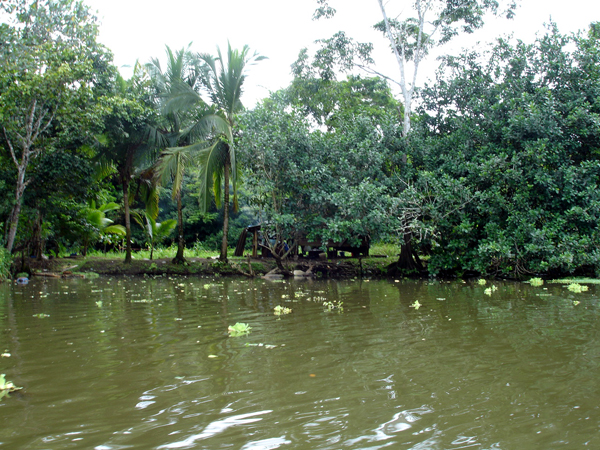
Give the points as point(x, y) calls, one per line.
point(407, 91)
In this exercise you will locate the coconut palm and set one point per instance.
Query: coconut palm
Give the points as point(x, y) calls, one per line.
point(177, 124)
point(223, 79)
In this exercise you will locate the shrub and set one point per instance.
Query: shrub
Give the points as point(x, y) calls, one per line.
point(5, 264)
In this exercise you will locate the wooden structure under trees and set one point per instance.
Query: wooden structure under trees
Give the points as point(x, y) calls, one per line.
point(301, 246)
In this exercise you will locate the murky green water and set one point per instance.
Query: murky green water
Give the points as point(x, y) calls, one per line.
point(148, 363)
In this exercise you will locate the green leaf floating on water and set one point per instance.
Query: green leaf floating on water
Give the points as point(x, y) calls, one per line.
point(239, 329)
point(7, 385)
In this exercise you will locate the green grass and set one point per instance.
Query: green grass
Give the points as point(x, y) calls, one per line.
point(381, 248)
point(198, 251)
point(162, 252)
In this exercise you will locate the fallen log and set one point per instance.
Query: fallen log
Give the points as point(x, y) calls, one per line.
point(46, 274)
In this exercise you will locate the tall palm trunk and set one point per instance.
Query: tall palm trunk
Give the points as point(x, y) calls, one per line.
point(127, 220)
point(179, 259)
point(226, 166)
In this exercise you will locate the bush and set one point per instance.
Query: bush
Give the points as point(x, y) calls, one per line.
point(5, 264)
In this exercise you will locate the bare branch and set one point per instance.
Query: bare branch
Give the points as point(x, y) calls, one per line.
point(10, 147)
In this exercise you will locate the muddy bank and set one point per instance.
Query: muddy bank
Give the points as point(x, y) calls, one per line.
point(332, 268)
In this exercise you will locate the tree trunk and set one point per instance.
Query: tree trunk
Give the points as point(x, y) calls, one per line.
point(179, 259)
point(14, 223)
point(37, 244)
point(16, 211)
point(125, 182)
point(408, 260)
point(223, 256)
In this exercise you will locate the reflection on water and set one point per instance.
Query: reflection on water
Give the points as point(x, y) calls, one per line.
point(147, 363)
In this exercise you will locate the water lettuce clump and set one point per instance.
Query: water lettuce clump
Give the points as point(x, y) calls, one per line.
point(7, 386)
point(536, 282)
point(490, 290)
point(279, 310)
point(576, 287)
point(239, 329)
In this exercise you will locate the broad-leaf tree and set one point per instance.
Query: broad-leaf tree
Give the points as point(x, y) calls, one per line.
point(509, 143)
point(130, 141)
point(49, 69)
point(411, 34)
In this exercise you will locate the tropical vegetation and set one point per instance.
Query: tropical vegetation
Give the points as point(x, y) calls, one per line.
point(490, 169)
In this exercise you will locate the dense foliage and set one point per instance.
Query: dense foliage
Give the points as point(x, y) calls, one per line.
point(498, 175)
point(510, 140)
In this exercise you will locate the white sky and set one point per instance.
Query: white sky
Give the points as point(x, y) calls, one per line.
point(140, 29)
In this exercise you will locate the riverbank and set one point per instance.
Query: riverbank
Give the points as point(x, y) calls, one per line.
point(340, 268)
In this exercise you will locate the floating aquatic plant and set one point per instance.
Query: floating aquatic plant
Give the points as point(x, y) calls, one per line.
point(576, 280)
point(269, 346)
point(279, 310)
point(490, 290)
point(536, 282)
point(576, 287)
point(239, 329)
point(7, 385)
point(330, 306)
point(416, 304)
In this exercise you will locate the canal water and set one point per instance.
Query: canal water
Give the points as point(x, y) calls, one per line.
point(148, 363)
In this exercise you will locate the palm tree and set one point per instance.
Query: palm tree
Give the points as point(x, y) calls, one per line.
point(182, 68)
point(97, 224)
point(223, 79)
point(154, 231)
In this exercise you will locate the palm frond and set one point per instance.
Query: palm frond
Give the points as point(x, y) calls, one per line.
point(171, 167)
point(208, 126)
point(212, 161)
point(181, 97)
point(115, 229)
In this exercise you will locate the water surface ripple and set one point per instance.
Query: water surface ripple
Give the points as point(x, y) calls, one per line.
point(141, 363)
